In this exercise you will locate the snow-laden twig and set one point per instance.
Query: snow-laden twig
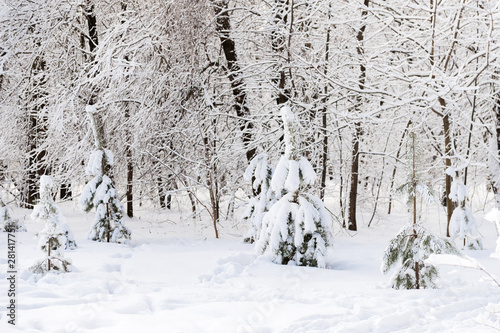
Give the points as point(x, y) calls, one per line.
point(464, 261)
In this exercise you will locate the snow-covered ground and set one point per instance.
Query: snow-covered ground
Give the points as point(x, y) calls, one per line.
point(176, 277)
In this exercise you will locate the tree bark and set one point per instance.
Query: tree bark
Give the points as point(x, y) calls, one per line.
point(494, 184)
point(37, 166)
point(223, 26)
point(324, 157)
point(278, 42)
point(353, 195)
point(450, 206)
point(129, 193)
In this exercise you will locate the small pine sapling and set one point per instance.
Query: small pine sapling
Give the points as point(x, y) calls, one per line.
point(463, 225)
point(48, 210)
point(259, 205)
point(100, 193)
point(55, 237)
point(297, 228)
point(410, 248)
point(7, 223)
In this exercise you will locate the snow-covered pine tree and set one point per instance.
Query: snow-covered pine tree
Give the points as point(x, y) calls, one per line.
point(48, 210)
point(259, 205)
point(56, 236)
point(462, 224)
point(413, 244)
point(100, 192)
point(7, 223)
point(297, 228)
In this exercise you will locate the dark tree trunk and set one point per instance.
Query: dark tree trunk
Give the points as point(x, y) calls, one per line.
point(324, 157)
point(223, 27)
point(450, 206)
point(130, 178)
point(278, 42)
point(494, 185)
point(92, 25)
point(161, 192)
point(353, 195)
point(37, 166)
point(65, 191)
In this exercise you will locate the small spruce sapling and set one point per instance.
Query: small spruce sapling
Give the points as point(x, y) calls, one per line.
point(259, 205)
point(100, 193)
point(56, 236)
point(48, 210)
point(7, 223)
point(410, 248)
point(297, 228)
point(462, 223)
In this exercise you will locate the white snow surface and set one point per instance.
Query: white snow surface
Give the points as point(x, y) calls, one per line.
point(176, 277)
point(91, 109)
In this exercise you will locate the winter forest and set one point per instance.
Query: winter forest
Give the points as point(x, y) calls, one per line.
point(251, 166)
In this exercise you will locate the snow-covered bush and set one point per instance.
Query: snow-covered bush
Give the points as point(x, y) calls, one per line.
point(56, 236)
point(297, 228)
point(7, 223)
point(463, 225)
point(410, 248)
point(100, 193)
point(259, 205)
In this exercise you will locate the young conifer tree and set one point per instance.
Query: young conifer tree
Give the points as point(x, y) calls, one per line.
point(413, 244)
point(259, 205)
point(7, 223)
point(100, 193)
point(297, 228)
point(463, 225)
point(56, 236)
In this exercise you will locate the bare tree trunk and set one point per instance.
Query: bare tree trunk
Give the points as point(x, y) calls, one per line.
point(353, 195)
point(494, 185)
point(395, 168)
point(450, 206)
point(130, 179)
point(37, 166)
point(129, 193)
point(414, 186)
point(324, 157)
point(278, 42)
point(223, 26)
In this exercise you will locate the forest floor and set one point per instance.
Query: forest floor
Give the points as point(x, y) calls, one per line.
point(176, 277)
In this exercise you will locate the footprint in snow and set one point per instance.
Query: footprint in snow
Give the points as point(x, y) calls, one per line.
point(229, 267)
